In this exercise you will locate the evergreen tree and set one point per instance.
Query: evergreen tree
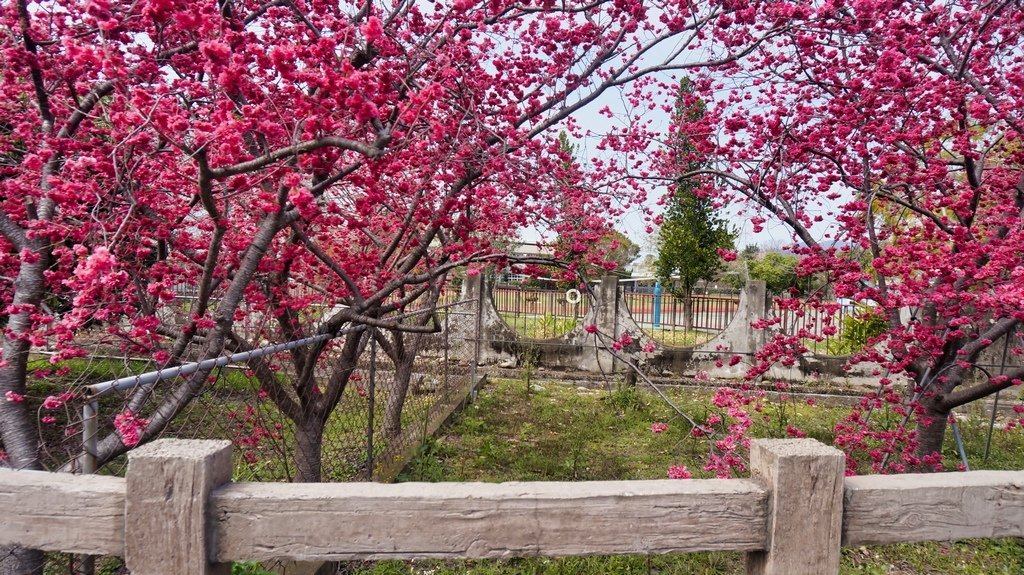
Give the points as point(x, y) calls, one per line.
point(692, 231)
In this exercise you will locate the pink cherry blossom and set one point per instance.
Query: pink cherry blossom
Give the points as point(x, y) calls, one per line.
point(56, 401)
point(130, 428)
point(678, 472)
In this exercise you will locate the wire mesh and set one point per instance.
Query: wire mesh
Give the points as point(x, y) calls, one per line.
point(378, 421)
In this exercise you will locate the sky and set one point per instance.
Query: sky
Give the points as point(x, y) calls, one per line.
point(773, 236)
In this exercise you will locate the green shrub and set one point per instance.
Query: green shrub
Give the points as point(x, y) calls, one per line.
point(857, 330)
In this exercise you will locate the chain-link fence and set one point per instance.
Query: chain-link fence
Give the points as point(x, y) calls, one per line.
point(384, 413)
point(399, 388)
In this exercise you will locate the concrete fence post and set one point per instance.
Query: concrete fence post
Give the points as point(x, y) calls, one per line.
point(759, 303)
point(607, 302)
point(805, 506)
point(167, 525)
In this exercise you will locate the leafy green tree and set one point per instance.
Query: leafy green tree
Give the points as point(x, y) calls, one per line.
point(692, 233)
point(777, 271)
point(618, 249)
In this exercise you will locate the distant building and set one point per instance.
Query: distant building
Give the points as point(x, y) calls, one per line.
point(509, 276)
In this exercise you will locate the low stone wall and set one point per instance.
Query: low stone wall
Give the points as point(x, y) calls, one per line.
point(581, 349)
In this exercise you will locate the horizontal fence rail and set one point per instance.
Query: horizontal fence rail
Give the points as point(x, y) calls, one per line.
point(933, 507)
point(177, 512)
point(63, 512)
point(480, 520)
point(709, 313)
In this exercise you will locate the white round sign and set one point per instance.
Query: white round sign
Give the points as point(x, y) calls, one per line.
point(573, 296)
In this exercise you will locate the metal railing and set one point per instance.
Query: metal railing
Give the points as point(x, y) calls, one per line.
point(538, 313)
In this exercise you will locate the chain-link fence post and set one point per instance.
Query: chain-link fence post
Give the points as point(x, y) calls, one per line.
point(372, 394)
point(477, 335)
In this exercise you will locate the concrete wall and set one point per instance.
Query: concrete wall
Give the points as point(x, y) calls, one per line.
point(588, 351)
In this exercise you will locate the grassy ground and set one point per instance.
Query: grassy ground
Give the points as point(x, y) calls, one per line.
point(565, 433)
point(547, 326)
point(680, 338)
point(539, 326)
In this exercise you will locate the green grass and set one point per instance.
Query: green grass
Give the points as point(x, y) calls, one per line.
point(539, 326)
point(564, 433)
point(680, 338)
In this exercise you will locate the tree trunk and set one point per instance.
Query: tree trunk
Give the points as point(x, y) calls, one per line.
point(931, 430)
point(309, 440)
point(18, 432)
point(19, 561)
point(403, 377)
point(21, 444)
point(687, 309)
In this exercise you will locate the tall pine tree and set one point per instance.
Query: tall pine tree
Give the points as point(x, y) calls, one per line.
point(692, 231)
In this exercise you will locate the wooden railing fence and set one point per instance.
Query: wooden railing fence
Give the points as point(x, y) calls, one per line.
point(177, 512)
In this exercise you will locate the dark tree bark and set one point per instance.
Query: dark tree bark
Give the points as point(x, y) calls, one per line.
point(309, 441)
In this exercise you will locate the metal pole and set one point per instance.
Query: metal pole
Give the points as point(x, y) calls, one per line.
point(89, 431)
point(444, 350)
point(90, 412)
point(991, 426)
point(657, 304)
point(476, 343)
point(190, 368)
point(960, 445)
point(995, 403)
point(373, 395)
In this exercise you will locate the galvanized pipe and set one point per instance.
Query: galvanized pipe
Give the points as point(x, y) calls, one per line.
point(152, 377)
point(89, 432)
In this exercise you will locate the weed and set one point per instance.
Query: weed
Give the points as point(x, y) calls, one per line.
point(249, 568)
point(627, 398)
point(426, 465)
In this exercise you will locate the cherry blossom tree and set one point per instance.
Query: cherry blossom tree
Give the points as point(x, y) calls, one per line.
point(886, 137)
point(276, 155)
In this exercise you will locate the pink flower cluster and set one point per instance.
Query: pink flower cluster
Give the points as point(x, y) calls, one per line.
point(624, 340)
point(733, 422)
point(55, 401)
point(678, 472)
point(659, 427)
point(130, 427)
